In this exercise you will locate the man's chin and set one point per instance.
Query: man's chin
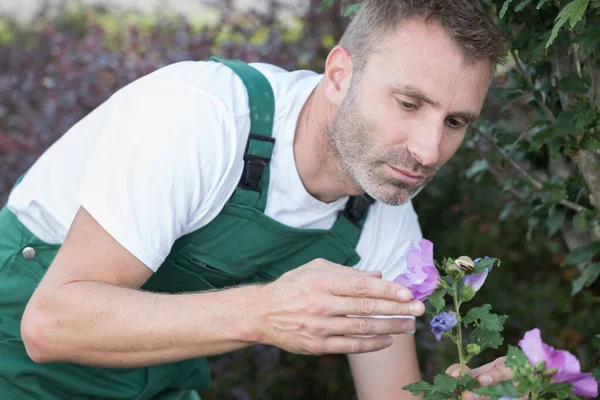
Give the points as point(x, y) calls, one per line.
point(395, 197)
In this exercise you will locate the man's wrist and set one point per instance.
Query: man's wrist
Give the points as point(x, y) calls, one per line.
point(250, 318)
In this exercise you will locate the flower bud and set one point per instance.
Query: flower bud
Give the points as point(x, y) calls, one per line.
point(473, 349)
point(467, 293)
point(540, 366)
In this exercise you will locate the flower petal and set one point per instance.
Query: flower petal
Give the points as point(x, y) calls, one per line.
point(566, 364)
point(533, 347)
point(585, 385)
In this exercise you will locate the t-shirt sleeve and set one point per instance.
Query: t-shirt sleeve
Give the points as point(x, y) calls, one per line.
point(158, 166)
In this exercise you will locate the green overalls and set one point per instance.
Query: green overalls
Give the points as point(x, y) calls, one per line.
point(241, 245)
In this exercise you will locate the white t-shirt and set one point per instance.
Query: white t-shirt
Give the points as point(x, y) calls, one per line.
point(162, 156)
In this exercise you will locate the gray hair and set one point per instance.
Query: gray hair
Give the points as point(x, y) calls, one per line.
point(465, 21)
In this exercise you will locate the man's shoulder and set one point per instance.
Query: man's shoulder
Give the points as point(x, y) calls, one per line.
point(217, 81)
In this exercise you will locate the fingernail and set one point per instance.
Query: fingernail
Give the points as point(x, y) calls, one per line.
point(389, 341)
point(408, 326)
point(404, 295)
point(415, 308)
point(474, 396)
point(486, 380)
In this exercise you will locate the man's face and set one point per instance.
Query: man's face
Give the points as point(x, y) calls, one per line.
point(407, 112)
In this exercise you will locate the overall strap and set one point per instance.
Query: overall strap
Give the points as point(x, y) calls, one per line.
point(254, 183)
point(352, 218)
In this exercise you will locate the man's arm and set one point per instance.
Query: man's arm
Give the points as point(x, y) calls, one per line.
point(88, 309)
point(381, 375)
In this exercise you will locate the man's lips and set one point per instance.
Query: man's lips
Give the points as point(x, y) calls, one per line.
point(407, 177)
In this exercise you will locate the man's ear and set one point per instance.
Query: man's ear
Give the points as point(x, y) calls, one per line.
point(338, 73)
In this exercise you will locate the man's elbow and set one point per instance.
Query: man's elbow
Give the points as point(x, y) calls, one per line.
point(37, 334)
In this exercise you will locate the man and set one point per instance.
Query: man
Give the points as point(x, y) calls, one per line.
point(132, 248)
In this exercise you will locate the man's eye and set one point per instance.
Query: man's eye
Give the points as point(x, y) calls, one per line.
point(454, 123)
point(407, 105)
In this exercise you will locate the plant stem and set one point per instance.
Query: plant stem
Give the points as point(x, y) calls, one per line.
point(530, 179)
point(459, 342)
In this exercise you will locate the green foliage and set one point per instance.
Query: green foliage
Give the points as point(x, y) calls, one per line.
point(486, 338)
point(582, 254)
point(481, 316)
point(516, 359)
point(573, 13)
point(589, 276)
point(501, 389)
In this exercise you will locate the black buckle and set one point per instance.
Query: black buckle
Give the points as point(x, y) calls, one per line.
point(356, 207)
point(254, 166)
point(252, 173)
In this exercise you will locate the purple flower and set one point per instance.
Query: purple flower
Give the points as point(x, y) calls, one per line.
point(421, 276)
point(566, 364)
point(476, 281)
point(441, 323)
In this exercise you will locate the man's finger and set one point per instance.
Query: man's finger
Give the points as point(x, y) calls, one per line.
point(493, 372)
point(369, 306)
point(353, 345)
point(368, 326)
point(363, 286)
point(454, 370)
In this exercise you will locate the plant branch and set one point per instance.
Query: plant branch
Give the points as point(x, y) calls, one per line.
point(529, 82)
point(532, 181)
point(459, 342)
point(519, 195)
point(590, 64)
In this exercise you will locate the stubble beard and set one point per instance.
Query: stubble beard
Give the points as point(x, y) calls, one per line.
point(357, 161)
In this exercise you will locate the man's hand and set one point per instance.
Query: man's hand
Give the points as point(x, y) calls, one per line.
point(487, 375)
point(306, 310)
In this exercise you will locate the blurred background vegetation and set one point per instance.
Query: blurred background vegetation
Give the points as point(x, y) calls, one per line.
point(523, 188)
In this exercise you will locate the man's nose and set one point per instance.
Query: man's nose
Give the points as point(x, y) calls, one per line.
point(424, 143)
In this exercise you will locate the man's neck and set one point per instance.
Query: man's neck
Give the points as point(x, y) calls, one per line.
point(320, 171)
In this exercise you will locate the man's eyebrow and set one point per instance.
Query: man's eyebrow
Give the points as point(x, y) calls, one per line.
point(416, 93)
point(412, 91)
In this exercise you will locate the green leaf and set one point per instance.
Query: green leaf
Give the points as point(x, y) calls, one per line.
point(445, 383)
point(588, 276)
point(582, 254)
point(442, 389)
point(504, 8)
point(506, 211)
point(532, 223)
point(486, 338)
point(516, 358)
point(325, 4)
point(478, 167)
point(560, 391)
point(437, 300)
point(591, 143)
point(352, 8)
point(585, 115)
point(419, 387)
point(555, 220)
point(580, 222)
point(501, 389)
point(522, 5)
point(468, 383)
point(541, 4)
point(573, 83)
point(483, 264)
point(589, 38)
point(487, 320)
point(564, 125)
point(573, 12)
point(596, 373)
